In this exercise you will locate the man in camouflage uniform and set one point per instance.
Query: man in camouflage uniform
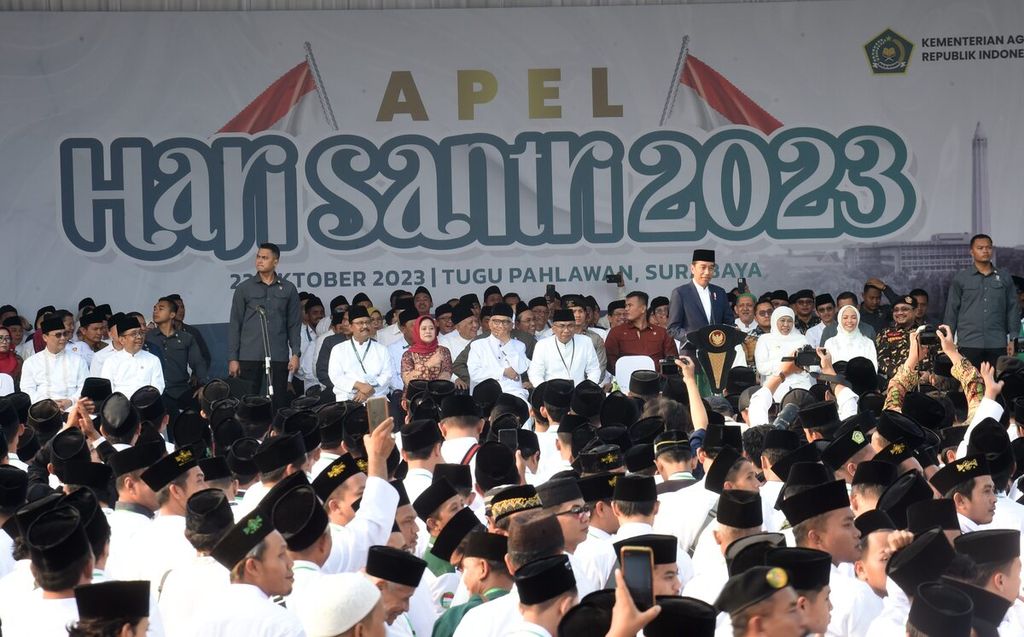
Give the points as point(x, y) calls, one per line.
point(893, 343)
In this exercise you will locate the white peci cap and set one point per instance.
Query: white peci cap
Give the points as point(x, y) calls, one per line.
point(337, 603)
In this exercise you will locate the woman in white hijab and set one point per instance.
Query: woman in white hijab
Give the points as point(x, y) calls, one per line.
point(849, 342)
point(783, 340)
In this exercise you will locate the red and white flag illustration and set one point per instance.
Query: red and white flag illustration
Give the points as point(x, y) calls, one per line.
point(705, 99)
point(294, 103)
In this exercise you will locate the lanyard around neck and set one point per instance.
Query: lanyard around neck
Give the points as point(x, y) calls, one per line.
point(359, 358)
point(572, 357)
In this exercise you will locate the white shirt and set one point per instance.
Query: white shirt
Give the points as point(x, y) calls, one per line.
point(395, 351)
point(307, 355)
point(326, 458)
point(26, 349)
point(15, 586)
point(6, 554)
point(252, 497)
point(82, 349)
point(127, 372)
point(573, 361)
point(308, 577)
point(125, 527)
point(353, 362)
point(157, 549)
point(707, 556)
point(596, 559)
point(704, 294)
point(389, 334)
point(633, 529)
point(57, 376)
point(99, 358)
point(38, 617)
point(243, 609)
point(681, 513)
point(892, 620)
point(854, 606)
point(744, 327)
point(842, 348)
point(371, 526)
point(6, 384)
point(489, 358)
point(422, 613)
point(318, 351)
point(707, 585)
point(416, 482)
point(492, 618)
point(454, 342)
point(773, 519)
point(814, 333)
point(527, 629)
point(453, 450)
point(188, 587)
point(987, 408)
point(550, 459)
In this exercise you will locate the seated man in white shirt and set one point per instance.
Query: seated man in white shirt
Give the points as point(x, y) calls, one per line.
point(467, 326)
point(132, 367)
point(89, 339)
point(360, 368)
point(568, 355)
point(499, 356)
point(53, 372)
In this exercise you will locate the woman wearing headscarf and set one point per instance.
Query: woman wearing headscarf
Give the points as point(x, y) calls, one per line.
point(10, 362)
point(425, 359)
point(849, 342)
point(783, 340)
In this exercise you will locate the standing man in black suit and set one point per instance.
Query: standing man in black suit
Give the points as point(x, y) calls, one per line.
point(698, 303)
point(271, 298)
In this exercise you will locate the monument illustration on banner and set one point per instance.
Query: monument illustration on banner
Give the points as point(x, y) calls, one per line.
point(943, 252)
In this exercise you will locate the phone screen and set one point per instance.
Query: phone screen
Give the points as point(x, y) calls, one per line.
point(638, 571)
point(376, 411)
point(509, 438)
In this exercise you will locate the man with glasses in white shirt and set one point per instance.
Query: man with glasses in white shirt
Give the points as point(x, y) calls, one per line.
point(53, 372)
point(360, 368)
point(499, 356)
point(568, 355)
point(132, 367)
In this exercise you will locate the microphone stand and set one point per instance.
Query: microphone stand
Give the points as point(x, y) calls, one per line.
point(264, 329)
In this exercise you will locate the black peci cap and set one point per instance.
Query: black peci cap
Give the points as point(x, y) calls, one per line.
point(544, 579)
point(394, 565)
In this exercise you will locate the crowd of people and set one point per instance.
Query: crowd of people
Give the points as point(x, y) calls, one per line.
point(539, 467)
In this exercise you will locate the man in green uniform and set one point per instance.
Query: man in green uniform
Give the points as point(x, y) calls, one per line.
point(485, 574)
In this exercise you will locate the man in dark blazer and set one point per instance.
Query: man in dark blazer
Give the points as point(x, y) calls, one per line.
point(698, 303)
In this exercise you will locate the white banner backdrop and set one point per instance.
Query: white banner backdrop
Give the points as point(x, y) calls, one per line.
point(811, 144)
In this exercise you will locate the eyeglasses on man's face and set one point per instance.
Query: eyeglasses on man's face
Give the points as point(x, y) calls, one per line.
point(578, 510)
